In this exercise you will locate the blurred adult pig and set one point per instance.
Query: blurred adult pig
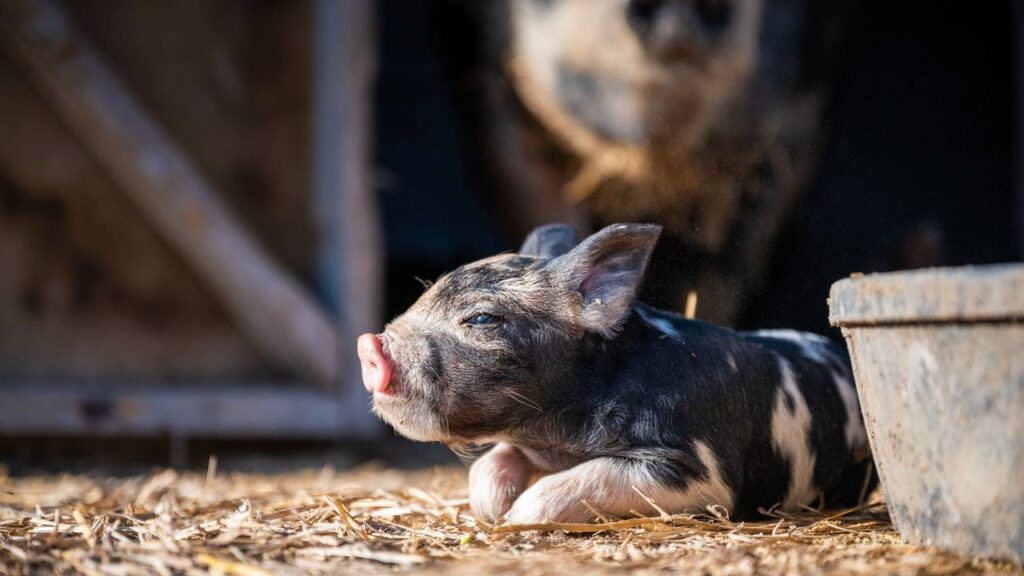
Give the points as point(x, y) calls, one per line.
point(547, 355)
point(702, 116)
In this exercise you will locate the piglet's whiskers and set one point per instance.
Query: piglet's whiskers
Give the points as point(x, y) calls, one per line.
point(465, 453)
point(523, 400)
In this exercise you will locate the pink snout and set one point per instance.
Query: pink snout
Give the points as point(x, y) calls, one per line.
point(376, 366)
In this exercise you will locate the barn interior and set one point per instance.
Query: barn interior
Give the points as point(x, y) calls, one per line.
point(203, 204)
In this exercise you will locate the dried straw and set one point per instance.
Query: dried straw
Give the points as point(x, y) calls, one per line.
point(374, 521)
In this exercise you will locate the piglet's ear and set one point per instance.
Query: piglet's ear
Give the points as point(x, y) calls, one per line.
point(550, 241)
point(606, 270)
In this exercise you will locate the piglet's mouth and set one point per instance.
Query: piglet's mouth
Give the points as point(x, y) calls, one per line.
point(376, 364)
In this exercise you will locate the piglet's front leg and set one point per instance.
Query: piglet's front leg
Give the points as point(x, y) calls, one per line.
point(617, 487)
point(497, 479)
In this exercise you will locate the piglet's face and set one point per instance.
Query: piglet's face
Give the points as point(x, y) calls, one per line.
point(488, 346)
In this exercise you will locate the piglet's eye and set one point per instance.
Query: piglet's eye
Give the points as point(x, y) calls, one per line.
point(482, 319)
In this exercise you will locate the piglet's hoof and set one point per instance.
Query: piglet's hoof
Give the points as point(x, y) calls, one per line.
point(549, 500)
point(496, 479)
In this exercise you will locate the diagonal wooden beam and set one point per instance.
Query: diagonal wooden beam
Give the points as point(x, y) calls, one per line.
point(273, 311)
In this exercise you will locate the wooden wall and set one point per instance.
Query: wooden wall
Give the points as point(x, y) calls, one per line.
point(87, 289)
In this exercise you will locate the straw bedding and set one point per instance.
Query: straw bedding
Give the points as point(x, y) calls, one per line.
point(380, 521)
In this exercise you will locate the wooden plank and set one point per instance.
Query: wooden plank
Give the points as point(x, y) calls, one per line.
point(350, 269)
point(270, 308)
point(231, 411)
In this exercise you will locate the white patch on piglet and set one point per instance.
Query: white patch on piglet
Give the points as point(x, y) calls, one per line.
point(791, 438)
point(659, 323)
point(732, 363)
point(856, 436)
point(712, 489)
point(496, 479)
point(813, 346)
point(618, 487)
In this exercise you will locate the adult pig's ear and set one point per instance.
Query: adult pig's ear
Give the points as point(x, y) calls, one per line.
point(606, 270)
point(550, 241)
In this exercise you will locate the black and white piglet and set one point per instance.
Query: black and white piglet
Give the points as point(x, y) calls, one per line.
point(547, 355)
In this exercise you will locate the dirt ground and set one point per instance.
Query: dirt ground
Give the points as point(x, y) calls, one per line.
point(376, 520)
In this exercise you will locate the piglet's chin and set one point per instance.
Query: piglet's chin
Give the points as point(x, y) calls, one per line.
point(410, 417)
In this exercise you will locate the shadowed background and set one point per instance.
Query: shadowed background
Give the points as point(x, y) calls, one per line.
point(109, 331)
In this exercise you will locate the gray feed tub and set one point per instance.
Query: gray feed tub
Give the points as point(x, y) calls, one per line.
point(938, 357)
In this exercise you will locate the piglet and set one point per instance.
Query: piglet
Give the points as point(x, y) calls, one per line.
point(594, 402)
